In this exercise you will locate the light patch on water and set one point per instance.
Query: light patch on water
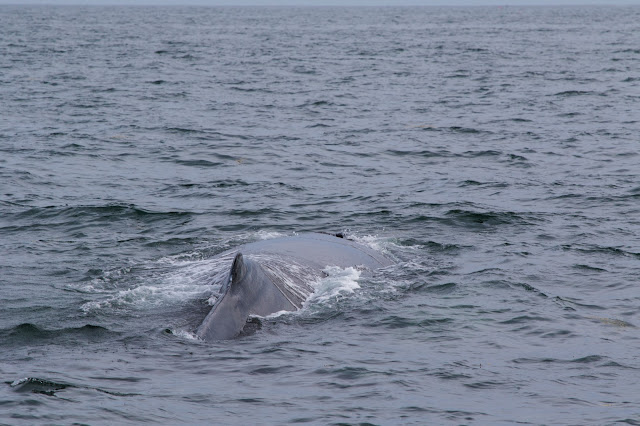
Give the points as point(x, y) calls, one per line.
point(339, 281)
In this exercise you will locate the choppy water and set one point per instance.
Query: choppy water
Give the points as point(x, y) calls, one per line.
point(492, 152)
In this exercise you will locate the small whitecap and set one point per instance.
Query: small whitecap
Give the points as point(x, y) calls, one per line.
point(94, 287)
point(183, 334)
point(93, 306)
point(277, 314)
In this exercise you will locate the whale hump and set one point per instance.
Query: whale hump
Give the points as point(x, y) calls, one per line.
point(276, 275)
point(238, 270)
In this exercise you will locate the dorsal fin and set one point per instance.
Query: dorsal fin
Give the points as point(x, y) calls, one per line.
point(238, 270)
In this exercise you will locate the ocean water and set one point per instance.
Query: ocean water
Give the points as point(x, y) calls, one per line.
point(491, 152)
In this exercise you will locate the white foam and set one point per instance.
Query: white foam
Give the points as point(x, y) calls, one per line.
point(151, 295)
point(164, 282)
point(268, 235)
point(374, 242)
point(277, 314)
point(183, 334)
point(339, 281)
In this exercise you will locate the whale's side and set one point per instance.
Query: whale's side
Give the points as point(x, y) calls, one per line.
point(274, 275)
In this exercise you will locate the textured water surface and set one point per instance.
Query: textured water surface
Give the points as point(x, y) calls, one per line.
point(491, 152)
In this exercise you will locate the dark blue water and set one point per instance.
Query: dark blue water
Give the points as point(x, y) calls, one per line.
point(491, 152)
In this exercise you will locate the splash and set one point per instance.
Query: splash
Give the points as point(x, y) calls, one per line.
point(184, 334)
point(338, 282)
point(374, 242)
point(168, 281)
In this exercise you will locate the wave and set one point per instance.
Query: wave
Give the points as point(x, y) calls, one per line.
point(107, 211)
point(601, 250)
point(31, 334)
point(567, 93)
point(51, 387)
point(470, 218)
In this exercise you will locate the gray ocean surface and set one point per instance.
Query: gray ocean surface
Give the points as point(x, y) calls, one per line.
point(492, 152)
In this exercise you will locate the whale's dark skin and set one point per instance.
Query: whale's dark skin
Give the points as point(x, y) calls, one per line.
point(274, 275)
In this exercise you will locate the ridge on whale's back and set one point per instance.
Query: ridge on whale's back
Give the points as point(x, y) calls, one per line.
point(319, 250)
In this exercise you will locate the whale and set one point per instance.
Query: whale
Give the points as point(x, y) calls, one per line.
point(274, 275)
